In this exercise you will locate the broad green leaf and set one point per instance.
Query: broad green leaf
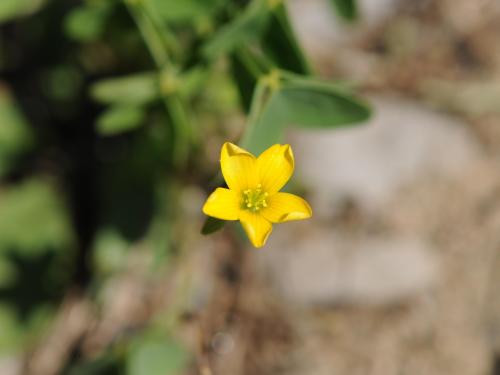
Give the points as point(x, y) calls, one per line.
point(244, 29)
point(302, 104)
point(119, 119)
point(344, 86)
point(156, 356)
point(347, 9)
point(269, 127)
point(212, 225)
point(10, 9)
point(87, 22)
point(247, 67)
point(134, 89)
point(281, 45)
point(313, 105)
point(244, 79)
point(15, 134)
point(33, 218)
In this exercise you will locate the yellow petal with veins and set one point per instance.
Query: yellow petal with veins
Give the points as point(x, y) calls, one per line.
point(238, 167)
point(275, 167)
point(283, 207)
point(223, 204)
point(256, 227)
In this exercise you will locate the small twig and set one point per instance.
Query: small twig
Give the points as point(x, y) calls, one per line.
point(71, 324)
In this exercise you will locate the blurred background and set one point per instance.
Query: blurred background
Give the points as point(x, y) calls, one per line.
point(112, 115)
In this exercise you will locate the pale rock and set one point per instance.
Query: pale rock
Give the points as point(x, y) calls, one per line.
point(368, 164)
point(318, 26)
point(10, 365)
point(325, 267)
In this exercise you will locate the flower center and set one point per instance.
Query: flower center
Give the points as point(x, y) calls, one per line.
point(254, 199)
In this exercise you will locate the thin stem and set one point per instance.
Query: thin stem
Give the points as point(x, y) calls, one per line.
point(250, 62)
point(169, 40)
point(149, 34)
point(155, 41)
point(258, 104)
point(183, 129)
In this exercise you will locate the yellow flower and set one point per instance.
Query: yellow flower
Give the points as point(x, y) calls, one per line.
point(253, 196)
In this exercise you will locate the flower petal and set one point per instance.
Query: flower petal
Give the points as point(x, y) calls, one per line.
point(238, 167)
point(223, 204)
point(283, 207)
point(275, 167)
point(256, 227)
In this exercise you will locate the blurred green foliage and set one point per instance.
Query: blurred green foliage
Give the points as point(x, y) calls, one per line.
point(35, 235)
point(135, 89)
point(107, 108)
point(156, 355)
point(35, 205)
point(294, 101)
point(15, 135)
point(14, 8)
point(347, 9)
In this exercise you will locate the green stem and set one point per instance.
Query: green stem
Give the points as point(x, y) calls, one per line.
point(155, 41)
point(258, 104)
point(164, 33)
point(183, 129)
point(251, 63)
point(149, 35)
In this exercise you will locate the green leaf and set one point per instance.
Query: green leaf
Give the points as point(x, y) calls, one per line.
point(119, 119)
point(281, 45)
point(156, 356)
point(347, 9)
point(15, 134)
point(134, 89)
point(244, 29)
point(10, 9)
point(33, 218)
point(344, 86)
point(302, 104)
point(245, 79)
point(267, 128)
point(318, 105)
point(212, 225)
point(87, 22)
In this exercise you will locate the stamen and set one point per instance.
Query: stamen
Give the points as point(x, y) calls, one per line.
point(254, 199)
